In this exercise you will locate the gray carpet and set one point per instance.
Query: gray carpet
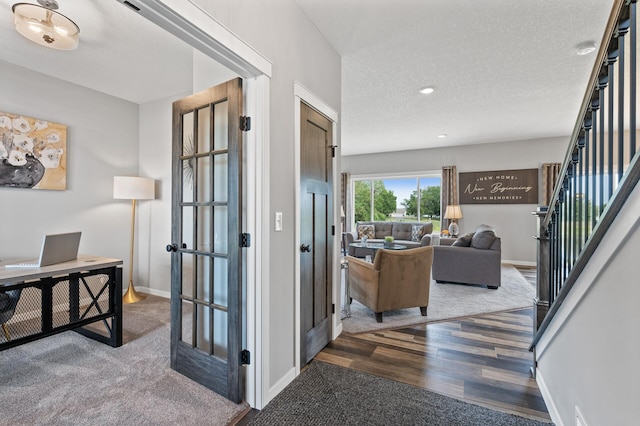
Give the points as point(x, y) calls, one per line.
point(448, 301)
point(69, 379)
point(326, 394)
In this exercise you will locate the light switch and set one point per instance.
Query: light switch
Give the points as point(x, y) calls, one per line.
point(278, 221)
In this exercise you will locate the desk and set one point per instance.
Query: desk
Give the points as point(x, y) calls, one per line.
point(65, 296)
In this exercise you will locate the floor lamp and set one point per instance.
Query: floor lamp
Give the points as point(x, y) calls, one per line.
point(132, 188)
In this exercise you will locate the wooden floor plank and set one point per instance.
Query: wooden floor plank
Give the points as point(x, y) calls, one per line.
point(483, 359)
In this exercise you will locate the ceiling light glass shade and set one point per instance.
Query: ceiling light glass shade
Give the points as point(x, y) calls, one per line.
point(585, 48)
point(45, 26)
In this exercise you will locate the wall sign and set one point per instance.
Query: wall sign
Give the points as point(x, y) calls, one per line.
point(499, 187)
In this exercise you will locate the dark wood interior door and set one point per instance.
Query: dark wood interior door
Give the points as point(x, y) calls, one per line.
point(316, 171)
point(206, 263)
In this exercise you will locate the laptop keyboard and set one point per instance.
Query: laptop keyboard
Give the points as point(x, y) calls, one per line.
point(23, 265)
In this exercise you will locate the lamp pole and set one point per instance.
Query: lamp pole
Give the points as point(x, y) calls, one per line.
point(132, 296)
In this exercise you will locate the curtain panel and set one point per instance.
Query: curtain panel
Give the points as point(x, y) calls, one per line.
point(550, 173)
point(344, 198)
point(448, 193)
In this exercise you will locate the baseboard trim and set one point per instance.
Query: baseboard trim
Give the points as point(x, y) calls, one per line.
point(154, 292)
point(279, 387)
point(548, 400)
point(519, 262)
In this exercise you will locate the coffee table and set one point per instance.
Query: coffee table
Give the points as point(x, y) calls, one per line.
point(373, 247)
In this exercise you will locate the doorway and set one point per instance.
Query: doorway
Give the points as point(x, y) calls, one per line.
point(317, 284)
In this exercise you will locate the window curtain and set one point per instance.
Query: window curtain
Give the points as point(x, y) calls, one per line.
point(344, 187)
point(448, 193)
point(550, 173)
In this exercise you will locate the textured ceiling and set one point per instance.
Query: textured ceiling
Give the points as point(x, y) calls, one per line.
point(502, 70)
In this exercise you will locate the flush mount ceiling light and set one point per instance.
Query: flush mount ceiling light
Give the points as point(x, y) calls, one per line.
point(442, 135)
point(43, 25)
point(427, 90)
point(585, 48)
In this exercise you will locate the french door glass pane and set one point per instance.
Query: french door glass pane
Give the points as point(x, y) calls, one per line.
point(187, 312)
point(204, 179)
point(188, 147)
point(187, 226)
point(203, 341)
point(187, 180)
point(220, 333)
point(204, 229)
point(220, 126)
point(220, 229)
point(204, 278)
point(220, 173)
point(187, 275)
point(220, 281)
point(204, 130)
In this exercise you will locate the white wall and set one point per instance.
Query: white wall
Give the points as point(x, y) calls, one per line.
point(588, 355)
point(281, 32)
point(514, 222)
point(102, 142)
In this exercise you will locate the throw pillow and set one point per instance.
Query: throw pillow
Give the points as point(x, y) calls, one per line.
point(416, 232)
point(483, 227)
point(368, 231)
point(464, 240)
point(483, 240)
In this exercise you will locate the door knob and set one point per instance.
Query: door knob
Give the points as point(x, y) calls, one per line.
point(172, 247)
point(305, 248)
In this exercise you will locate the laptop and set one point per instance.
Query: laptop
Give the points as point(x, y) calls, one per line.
point(56, 248)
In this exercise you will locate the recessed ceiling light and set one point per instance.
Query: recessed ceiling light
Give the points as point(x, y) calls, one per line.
point(427, 90)
point(442, 135)
point(585, 48)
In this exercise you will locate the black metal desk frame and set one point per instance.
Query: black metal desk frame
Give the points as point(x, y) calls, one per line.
point(78, 316)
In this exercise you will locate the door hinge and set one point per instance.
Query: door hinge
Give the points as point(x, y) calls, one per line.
point(245, 357)
point(245, 123)
point(333, 308)
point(245, 240)
point(333, 230)
point(333, 150)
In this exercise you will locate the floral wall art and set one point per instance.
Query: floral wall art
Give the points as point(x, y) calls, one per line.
point(32, 153)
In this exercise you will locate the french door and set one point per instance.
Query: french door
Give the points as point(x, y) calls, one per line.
point(206, 259)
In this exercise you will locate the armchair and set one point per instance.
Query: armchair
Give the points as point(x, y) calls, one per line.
point(397, 279)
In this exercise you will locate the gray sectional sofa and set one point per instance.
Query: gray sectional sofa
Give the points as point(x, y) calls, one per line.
point(404, 233)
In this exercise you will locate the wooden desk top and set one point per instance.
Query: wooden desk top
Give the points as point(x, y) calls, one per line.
point(82, 263)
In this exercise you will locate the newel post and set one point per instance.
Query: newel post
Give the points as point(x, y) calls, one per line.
point(541, 300)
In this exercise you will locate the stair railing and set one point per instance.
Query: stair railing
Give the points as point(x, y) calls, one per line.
point(600, 170)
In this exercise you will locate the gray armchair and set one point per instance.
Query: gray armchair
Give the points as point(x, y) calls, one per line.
point(8, 302)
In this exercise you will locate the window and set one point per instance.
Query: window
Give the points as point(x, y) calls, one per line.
point(407, 199)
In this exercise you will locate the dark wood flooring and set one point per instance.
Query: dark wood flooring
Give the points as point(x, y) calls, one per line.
point(483, 359)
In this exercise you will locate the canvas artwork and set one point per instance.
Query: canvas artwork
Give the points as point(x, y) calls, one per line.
point(32, 153)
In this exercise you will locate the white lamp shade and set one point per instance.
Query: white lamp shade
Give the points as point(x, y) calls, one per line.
point(453, 211)
point(133, 188)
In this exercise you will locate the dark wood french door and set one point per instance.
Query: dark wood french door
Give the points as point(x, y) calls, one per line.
point(316, 221)
point(206, 260)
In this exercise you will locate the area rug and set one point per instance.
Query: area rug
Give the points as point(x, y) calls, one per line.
point(326, 394)
point(69, 379)
point(448, 301)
